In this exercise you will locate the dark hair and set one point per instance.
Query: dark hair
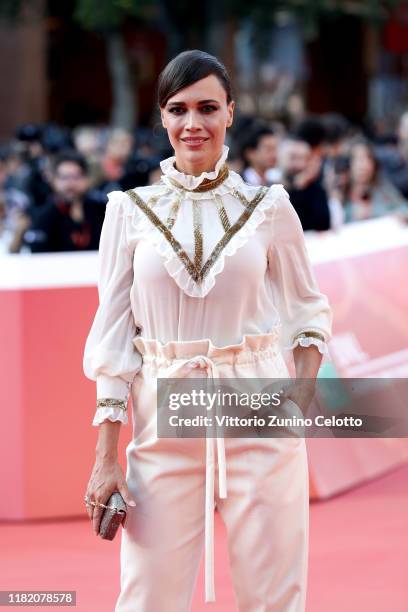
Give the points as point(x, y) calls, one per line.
point(311, 130)
point(29, 132)
point(73, 157)
point(187, 68)
point(336, 127)
point(253, 138)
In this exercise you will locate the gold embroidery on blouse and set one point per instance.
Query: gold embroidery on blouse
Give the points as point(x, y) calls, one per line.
point(110, 401)
point(153, 199)
point(206, 184)
point(240, 197)
point(311, 334)
point(243, 218)
point(198, 274)
point(178, 249)
point(222, 213)
point(198, 236)
point(175, 207)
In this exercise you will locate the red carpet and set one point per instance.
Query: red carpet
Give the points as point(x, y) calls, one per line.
point(358, 556)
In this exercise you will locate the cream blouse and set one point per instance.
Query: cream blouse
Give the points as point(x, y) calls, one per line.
point(175, 265)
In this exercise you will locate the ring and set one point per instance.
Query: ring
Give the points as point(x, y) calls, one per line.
point(90, 502)
point(97, 504)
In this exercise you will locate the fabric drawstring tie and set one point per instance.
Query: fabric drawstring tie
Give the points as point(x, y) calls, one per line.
point(179, 370)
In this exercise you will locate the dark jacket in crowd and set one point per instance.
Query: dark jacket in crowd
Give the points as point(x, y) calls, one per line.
point(53, 229)
point(311, 204)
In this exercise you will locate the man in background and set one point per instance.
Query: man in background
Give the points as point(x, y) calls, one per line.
point(70, 219)
point(259, 150)
point(301, 172)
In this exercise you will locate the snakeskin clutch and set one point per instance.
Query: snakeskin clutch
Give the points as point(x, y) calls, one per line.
point(113, 516)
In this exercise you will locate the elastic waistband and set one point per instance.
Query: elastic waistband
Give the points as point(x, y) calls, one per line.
point(252, 348)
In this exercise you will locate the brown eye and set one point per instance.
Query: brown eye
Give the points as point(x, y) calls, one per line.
point(209, 108)
point(176, 110)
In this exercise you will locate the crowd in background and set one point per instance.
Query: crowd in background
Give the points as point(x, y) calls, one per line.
point(54, 181)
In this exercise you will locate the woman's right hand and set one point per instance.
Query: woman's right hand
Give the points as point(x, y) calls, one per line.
point(106, 478)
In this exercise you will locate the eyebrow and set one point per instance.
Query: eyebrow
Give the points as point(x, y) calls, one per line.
point(181, 103)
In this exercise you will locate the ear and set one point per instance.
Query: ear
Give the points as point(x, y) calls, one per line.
point(230, 112)
point(163, 120)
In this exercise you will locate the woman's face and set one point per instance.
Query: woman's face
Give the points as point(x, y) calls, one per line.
point(362, 165)
point(196, 119)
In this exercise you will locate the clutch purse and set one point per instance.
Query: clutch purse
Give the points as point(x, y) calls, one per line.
point(113, 516)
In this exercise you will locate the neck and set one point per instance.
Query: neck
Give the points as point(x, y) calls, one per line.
point(195, 168)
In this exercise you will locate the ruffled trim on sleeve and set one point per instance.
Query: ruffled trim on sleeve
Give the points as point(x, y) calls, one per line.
point(176, 268)
point(306, 342)
point(110, 413)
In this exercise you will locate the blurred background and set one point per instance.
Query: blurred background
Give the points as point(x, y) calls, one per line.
point(321, 90)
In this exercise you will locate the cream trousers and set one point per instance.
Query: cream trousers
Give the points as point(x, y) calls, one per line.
point(259, 485)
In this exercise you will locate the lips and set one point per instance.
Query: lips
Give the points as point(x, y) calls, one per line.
point(194, 141)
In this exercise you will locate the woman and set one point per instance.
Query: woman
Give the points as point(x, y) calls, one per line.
point(369, 193)
point(202, 275)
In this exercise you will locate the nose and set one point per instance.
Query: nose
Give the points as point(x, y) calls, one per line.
point(192, 121)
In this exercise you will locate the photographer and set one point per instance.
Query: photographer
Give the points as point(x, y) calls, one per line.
point(71, 219)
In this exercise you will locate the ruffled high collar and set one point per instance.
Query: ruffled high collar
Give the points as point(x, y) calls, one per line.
point(189, 181)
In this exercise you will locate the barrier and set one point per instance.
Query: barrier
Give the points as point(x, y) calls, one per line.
point(48, 302)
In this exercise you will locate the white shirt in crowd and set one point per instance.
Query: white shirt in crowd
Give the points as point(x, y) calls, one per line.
point(272, 175)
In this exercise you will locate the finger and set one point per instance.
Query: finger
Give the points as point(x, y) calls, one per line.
point(90, 511)
point(89, 507)
point(96, 518)
point(125, 493)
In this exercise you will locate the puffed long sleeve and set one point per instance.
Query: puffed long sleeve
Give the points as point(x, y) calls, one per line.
point(110, 358)
point(304, 311)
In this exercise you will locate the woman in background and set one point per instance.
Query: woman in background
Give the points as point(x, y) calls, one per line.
point(370, 194)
